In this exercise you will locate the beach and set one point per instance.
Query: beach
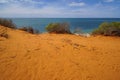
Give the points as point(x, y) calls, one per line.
point(25, 56)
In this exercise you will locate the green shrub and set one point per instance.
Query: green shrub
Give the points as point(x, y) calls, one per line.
point(7, 23)
point(108, 29)
point(29, 29)
point(58, 28)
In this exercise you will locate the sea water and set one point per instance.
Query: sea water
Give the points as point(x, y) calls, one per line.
point(87, 25)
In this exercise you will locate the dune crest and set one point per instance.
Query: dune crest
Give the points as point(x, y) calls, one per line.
point(24, 56)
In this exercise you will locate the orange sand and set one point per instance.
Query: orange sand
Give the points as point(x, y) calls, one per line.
point(24, 56)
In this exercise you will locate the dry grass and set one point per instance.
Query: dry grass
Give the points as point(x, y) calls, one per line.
point(3, 32)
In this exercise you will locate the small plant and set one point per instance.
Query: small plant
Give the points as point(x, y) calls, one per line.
point(58, 28)
point(108, 29)
point(7, 23)
point(23, 28)
point(29, 29)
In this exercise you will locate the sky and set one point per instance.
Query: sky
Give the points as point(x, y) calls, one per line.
point(60, 8)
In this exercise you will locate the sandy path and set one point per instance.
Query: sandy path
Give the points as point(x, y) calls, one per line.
point(58, 57)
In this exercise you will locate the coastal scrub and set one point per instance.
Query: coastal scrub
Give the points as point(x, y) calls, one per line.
point(58, 28)
point(108, 29)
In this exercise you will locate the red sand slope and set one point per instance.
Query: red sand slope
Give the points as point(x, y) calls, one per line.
point(24, 56)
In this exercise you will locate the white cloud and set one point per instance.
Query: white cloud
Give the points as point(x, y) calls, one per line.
point(97, 10)
point(33, 2)
point(21, 1)
point(8, 1)
point(4, 1)
point(108, 0)
point(16, 10)
point(77, 4)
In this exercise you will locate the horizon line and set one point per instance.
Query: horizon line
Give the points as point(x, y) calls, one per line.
point(59, 17)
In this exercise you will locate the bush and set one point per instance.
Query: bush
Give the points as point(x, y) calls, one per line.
point(7, 23)
point(58, 28)
point(29, 29)
point(108, 29)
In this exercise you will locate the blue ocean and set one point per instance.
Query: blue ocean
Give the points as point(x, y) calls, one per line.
point(87, 25)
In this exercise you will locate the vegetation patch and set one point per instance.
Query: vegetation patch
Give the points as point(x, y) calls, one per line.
point(58, 28)
point(29, 29)
point(108, 29)
point(7, 23)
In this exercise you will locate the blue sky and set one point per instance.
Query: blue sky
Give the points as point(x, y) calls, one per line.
point(60, 8)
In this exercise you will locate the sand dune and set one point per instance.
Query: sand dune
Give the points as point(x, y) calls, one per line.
point(24, 56)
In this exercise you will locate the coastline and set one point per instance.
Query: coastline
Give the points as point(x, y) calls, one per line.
point(85, 24)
